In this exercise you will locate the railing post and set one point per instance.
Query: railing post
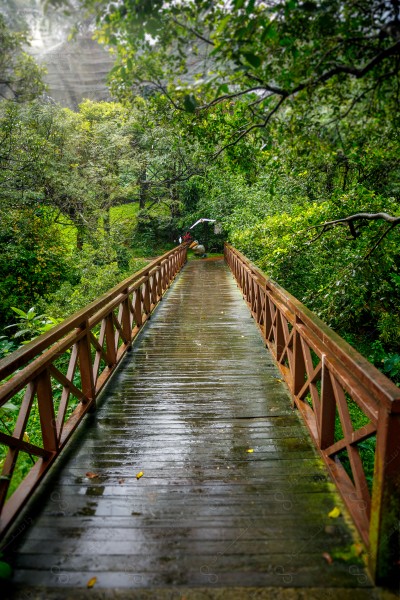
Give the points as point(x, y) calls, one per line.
point(12, 455)
point(267, 315)
point(126, 319)
point(299, 369)
point(146, 296)
point(385, 510)
point(328, 409)
point(279, 336)
point(85, 365)
point(111, 350)
point(258, 304)
point(138, 307)
point(159, 283)
point(46, 412)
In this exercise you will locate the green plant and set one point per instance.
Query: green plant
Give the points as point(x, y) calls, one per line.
point(391, 366)
point(6, 346)
point(30, 324)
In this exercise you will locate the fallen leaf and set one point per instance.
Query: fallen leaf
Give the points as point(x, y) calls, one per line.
point(91, 582)
point(139, 475)
point(26, 437)
point(91, 475)
point(328, 558)
point(335, 513)
point(250, 450)
point(121, 480)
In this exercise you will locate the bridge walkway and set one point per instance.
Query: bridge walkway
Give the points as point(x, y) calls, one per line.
point(233, 494)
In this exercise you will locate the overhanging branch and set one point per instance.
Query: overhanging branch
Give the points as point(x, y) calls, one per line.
point(352, 219)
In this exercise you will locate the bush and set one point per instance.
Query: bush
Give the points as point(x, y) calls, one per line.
point(355, 291)
point(33, 260)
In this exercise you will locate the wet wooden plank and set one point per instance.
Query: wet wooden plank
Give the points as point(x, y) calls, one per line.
point(206, 574)
point(196, 393)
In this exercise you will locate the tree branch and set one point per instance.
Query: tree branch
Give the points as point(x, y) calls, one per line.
point(381, 237)
point(230, 96)
point(350, 220)
point(195, 33)
point(251, 128)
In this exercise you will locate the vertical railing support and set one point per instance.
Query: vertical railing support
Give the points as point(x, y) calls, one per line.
point(279, 337)
point(111, 350)
point(328, 409)
point(46, 412)
point(85, 365)
point(299, 369)
point(146, 296)
point(138, 307)
point(159, 283)
point(384, 533)
point(126, 319)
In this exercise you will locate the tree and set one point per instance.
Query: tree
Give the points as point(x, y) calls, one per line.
point(20, 76)
point(269, 55)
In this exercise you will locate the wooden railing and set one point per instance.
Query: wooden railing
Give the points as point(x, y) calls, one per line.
point(333, 386)
point(54, 380)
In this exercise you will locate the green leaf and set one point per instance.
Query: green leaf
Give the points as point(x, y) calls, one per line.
point(46, 327)
point(19, 312)
point(270, 32)
point(250, 7)
point(9, 406)
point(252, 59)
point(285, 41)
point(223, 89)
point(238, 4)
point(189, 102)
point(22, 332)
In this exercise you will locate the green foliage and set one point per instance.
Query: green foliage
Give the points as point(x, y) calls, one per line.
point(97, 270)
point(339, 279)
point(32, 260)
point(6, 346)
point(266, 56)
point(392, 366)
point(30, 324)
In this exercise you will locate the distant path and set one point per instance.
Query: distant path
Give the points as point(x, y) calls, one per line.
point(198, 392)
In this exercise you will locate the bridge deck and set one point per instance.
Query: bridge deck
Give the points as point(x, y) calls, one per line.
point(196, 394)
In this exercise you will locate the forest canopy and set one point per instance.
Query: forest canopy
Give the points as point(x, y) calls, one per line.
point(278, 119)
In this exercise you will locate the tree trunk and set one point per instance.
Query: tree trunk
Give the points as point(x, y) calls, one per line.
point(106, 221)
point(143, 188)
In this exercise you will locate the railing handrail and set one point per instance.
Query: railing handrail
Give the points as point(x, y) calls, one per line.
point(89, 344)
point(325, 375)
point(19, 358)
point(382, 387)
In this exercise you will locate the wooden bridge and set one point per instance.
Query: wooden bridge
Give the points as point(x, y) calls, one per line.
point(195, 472)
